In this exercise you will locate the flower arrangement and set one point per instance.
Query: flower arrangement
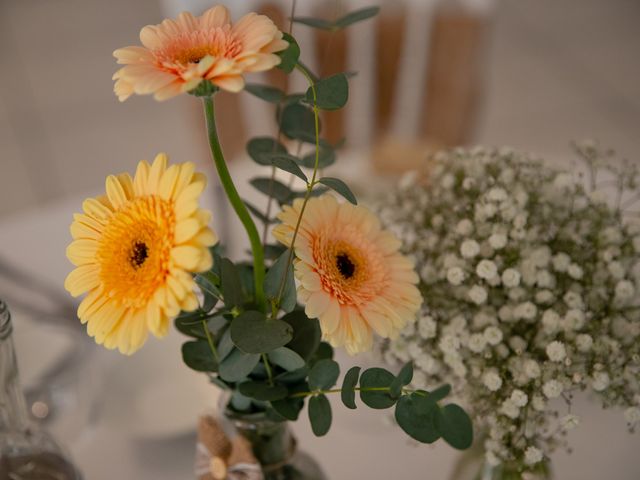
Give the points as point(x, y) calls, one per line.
point(145, 255)
point(530, 282)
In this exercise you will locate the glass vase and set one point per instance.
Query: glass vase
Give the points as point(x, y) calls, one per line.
point(472, 465)
point(275, 448)
point(26, 452)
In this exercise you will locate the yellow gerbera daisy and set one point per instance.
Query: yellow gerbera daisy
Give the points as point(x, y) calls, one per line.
point(351, 276)
point(134, 249)
point(178, 54)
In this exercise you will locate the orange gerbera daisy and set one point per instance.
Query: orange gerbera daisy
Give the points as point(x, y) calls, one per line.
point(178, 54)
point(134, 250)
point(350, 273)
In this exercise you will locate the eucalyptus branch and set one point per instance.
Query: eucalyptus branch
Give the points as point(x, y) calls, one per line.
point(405, 391)
point(310, 184)
point(212, 345)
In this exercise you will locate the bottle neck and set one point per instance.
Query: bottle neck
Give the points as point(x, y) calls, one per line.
point(13, 409)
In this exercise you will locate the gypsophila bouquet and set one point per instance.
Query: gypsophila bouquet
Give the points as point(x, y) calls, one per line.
point(530, 280)
point(145, 254)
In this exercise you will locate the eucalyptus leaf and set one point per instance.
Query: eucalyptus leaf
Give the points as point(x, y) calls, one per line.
point(197, 355)
point(326, 158)
point(273, 251)
point(416, 416)
point(252, 332)
point(324, 374)
point(257, 147)
point(286, 162)
point(402, 379)
point(340, 187)
point(273, 281)
point(240, 402)
point(258, 214)
point(440, 392)
point(265, 92)
point(225, 345)
point(286, 358)
point(320, 415)
point(356, 16)
point(298, 122)
point(273, 188)
point(332, 92)
point(348, 393)
point(455, 426)
point(306, 333)
point(294, 377)
point(231, 284)
point(289, 408)
point(289, 56)
point(324, 351)
point(314, 22)
point(263, 391)
point(374, 378)
point(238, 365)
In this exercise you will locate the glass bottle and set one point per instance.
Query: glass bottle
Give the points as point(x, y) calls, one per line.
point(26, 452)
point(275, 448)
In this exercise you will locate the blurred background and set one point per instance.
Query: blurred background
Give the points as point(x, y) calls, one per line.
point(531, 74)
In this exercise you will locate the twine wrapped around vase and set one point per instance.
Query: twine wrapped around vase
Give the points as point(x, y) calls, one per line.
point(219, 458)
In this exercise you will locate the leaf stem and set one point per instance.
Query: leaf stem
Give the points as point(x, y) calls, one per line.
point(267, 367)
point(310, 184)
point(357, 389)
point(236, 202)
point(210, 341)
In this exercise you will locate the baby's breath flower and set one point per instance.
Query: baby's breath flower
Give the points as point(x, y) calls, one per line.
point(469, 248)
point(478, 294)
point(552, 388)
point(511, 277)
point(486, 269)
point(556, 351)
point(492, 380)
point(455, 275)
point(532, 455)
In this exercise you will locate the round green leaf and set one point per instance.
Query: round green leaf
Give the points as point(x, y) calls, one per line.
point(259, 146)
point(416, 416)
point(263, 391)
point(332, 92)
point(238, 365)
point(306, 333)
point(265, 92)
point(298, 122)
point(273, 188)
point(320, 415)
point(348, 393)
point(403, 378)
point(376, 378)
point(440, 392)
point(198, 356)
point(340, 187)
point(251, 332)
point(455, 426)
point(287, 359)
point(289, 56)
point(289, 408)
point(324, 374)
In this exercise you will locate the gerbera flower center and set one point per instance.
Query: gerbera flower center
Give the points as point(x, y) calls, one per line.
point(345, 265)
point(191, 47)
point(135, 249)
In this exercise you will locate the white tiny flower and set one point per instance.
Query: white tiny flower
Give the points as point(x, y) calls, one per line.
point(449, 344)
point(573, 300)
point(544, 297)
point(468, 183)
point(552, 388)
point(464, 227)
point(550, 320)
point(455, 276)
point(539, 403)
point(428, 274)
point(511, 278)
point(520, 220)
point(600, 381)
point(478, 294)
point(561, 262)
point(497, 194)
point(575, 271)
point(477, 342)
point(531, 369)
point(624, 291)
point(532, 455)
point(569, 422)
point(519, 398)
point(427, 327)
point(505, 313)
point(498, 241)
point(510, 409)
point(616, 270)
point(469, 248)
point(493, 335)
point(492, 380)
point(544, 279)
point(574, 319)
point(541, 257)
point(486, 269)
point(526, 311)
point(427, 364)
point(408, 180)
point(448, 181)
point(556, 351)
point(437, 221)
point(632, 415)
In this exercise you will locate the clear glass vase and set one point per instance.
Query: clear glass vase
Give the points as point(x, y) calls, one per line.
point(472, 465)
point(274, 446)
point(26, 452)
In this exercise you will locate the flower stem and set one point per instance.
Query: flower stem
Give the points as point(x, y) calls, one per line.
point(236, 202)
point(310, 184)
point(212, 346)
point(267, 367)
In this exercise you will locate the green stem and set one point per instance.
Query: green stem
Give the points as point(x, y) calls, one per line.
point(357, 389)
point(212, 346)
point(310, 184)
point(236, 202)
point(267, 367)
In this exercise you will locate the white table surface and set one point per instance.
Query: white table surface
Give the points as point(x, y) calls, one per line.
point(361, 444)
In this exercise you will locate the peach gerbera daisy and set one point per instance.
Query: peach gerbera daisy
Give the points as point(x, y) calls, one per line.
point(134, 249)
point(351, 276)
point(178, 54)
